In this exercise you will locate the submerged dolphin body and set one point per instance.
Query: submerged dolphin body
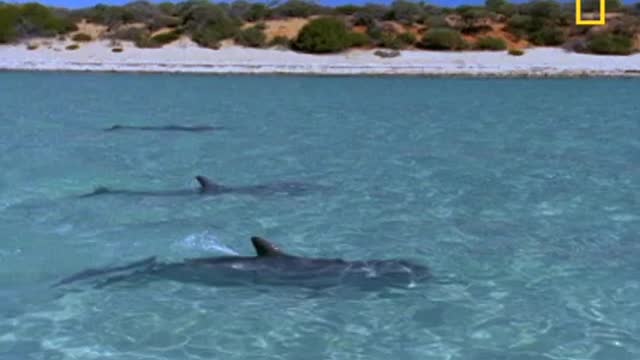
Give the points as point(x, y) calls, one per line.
point(270, 266)
point(197, 128)
point(208, 187)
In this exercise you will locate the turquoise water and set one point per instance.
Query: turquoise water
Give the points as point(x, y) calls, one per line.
point(522, 196)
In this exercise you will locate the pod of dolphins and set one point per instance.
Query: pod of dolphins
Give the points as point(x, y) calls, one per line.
point(269, 266)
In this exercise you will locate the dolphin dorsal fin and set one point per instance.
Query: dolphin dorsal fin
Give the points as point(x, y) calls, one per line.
point(205, 183)
point(265, 248)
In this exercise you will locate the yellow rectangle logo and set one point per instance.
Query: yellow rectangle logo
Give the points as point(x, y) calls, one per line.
point(600, 21)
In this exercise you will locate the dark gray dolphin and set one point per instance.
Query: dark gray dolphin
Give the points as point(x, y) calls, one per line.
point(208, 187)
point(197, 128)
point(270, 266)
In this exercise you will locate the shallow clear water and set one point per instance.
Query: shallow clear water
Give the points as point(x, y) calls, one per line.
point(523, 196)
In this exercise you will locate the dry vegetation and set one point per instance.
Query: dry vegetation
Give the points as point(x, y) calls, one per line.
point(309, 27)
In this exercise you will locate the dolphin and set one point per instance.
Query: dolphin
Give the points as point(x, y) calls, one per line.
point(270, 266)
point(208, 187)
point(197, 128)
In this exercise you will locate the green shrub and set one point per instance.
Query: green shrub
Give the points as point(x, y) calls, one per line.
point(147, 43)
point(31, 19)
point(117, 50)
point(139, 36)
point(346, 9)
point(209, 38)
point(167, 8)
point(81, 37)
point(39, 20)
point(257, 12)
point(358, 39)
point(443, 39)
point(491, 43)
point(610, 44)
point(155, 17)
point(107, 15)
point(166, 38)
point(251, 37)
point(406, 12)
point(548, 36)
point(544, 9)
point(507, 9)
point(323, 35)
point(134, 34)
point(249, 11)
point(435, 21)
point(369, 14)
point(32, 46)
point(208, 24)
point(299, 8)
point(495, 5)
point(472, 28)
point(281, 41)
point(520, 25)
point(407, 38)
point(516, 52)
point(73, 47)
point(393, 41)
point(8, 20)
point(390, 41)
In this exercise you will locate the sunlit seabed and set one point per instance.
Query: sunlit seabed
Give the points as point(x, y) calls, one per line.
point(522, 196)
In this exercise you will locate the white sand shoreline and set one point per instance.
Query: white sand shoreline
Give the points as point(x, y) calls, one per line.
point(186, 57)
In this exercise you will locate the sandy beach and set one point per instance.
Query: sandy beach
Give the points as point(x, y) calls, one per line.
point(184, 56)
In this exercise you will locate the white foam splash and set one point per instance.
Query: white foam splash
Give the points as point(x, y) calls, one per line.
point(206, 241)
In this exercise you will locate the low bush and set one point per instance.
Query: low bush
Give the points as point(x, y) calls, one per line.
point(210, 36)
point(548, 36)
point(256, 12)
point(73, 47)
point(134, 34)
point(491, 43)
point(166, 38)
point(443, 39)
point(520, 25)
point(299, 8)
point(346, 9)
point(141, 37)
point(358, 39)
point(39, 20)
point(435, 21)
point(32, 20)
point(323, 35)
point(81, 37)
point(407, 38)
point(251, 37)
point(280, 41)
point(516, 52)
point(610, 44)
point(117, 50)
point(389, 41)
point(208, 24)
point(9, 16)
point(405, 12)
point(369, 14)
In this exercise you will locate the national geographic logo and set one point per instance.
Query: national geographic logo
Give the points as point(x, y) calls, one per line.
point(601, 19)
